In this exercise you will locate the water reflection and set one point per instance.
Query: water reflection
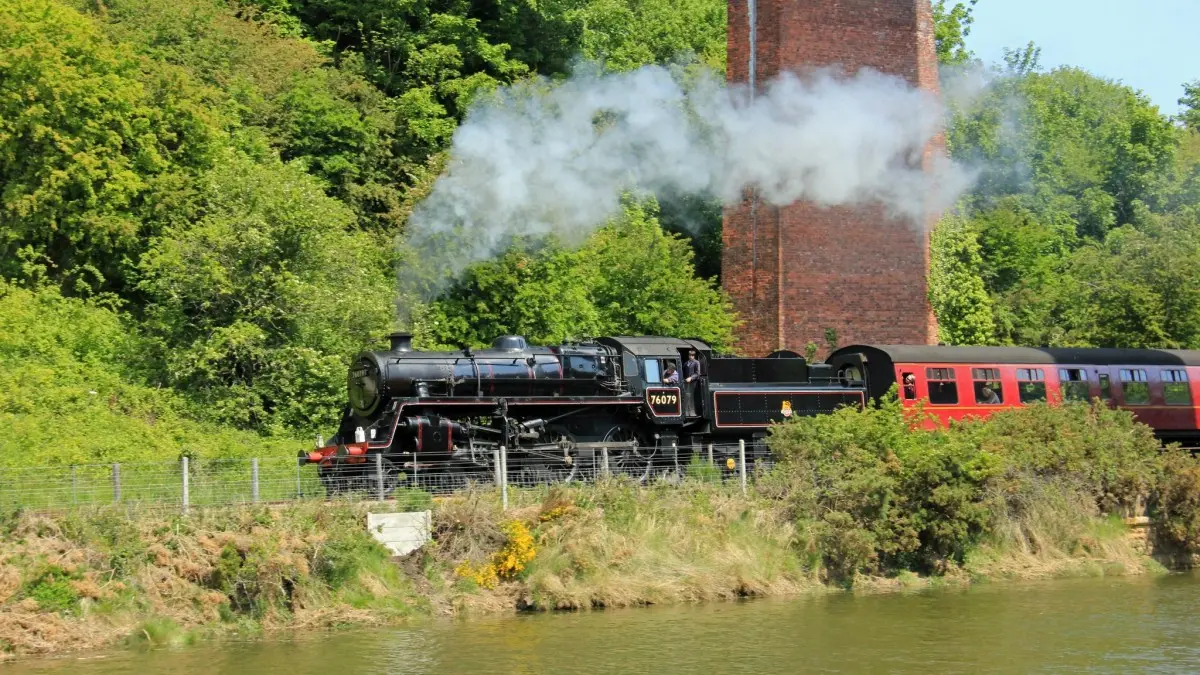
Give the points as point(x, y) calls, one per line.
point(1092, 626)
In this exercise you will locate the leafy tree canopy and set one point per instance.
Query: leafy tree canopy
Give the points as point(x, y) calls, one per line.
point(258, 305)
point(92, 141)
point(630, 277)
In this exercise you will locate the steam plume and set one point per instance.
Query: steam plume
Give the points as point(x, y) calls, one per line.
point(539, 159)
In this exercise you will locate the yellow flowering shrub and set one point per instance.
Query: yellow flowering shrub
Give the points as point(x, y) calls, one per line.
point(506, 563)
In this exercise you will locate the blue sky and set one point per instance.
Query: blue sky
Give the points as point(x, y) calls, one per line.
point(1152, 45)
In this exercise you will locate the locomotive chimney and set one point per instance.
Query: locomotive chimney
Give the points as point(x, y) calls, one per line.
point(401, 342)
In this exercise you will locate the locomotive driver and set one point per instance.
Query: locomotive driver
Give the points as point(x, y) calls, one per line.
point(691, 375)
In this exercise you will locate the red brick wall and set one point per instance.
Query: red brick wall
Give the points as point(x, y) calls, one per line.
point(795, 271)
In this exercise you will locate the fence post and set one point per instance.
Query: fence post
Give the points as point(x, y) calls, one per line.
point(74, 485)
point(116, 480)
point(254, 480)
point(299, 487)
point(742, 464)
point(710, 454)
point(604, 461)
point(675, 454)
point(185, 485)
point(504, 478)
point(379, 474)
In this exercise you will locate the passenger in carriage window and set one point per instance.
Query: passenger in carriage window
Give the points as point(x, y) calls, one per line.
point(988, 397)
point(910, 386)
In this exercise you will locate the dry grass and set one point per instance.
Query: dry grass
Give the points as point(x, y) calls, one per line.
point(617, 546)
point(158, 577)
point(89, 579)
point(1056, 530)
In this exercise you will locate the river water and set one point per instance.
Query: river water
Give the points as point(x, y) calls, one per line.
point(1087, 626)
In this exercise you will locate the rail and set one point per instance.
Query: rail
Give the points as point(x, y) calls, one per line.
point(192, 483)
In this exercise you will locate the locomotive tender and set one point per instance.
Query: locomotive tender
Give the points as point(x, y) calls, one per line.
point(554, 408)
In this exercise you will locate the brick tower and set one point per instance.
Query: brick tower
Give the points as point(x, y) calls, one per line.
point(797, 270)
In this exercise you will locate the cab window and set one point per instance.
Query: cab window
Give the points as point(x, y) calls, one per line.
point(1175, 387)
point(1031, 384)
point(943, 390)
point(1135, 386)
point(1074, 384)
point(652, 372)
point(987, 386)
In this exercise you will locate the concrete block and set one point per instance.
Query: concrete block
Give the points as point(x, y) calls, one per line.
point(401, 533)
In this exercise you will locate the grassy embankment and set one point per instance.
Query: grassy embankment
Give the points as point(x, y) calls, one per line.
point(857, 501)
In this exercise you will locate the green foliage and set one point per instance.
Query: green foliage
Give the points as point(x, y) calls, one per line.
point(1191, 105)
point(1177, 505)
point(51, 588)
point(90, 140)
point(627, 35)
point(956, 290)
point(950, 30)
point(280, 93)
point(260, 304)
point(1079, 145)
point(881, 497)
point(67, 363)
point(628, 278)
point(1135, 289)
point(1083, 216)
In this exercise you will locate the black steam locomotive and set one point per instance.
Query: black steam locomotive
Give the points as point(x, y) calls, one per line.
point(555, 408)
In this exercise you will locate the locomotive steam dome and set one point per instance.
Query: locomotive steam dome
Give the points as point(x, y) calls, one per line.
point(509, 343)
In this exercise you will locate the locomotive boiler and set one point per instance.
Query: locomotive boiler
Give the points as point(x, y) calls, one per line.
point(556, 409)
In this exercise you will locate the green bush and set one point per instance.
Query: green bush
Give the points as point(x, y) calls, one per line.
point(72, 364)
point(51, 588)
point(880, 496)
point(1176, 507)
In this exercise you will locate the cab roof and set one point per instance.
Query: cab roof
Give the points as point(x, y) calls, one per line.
point(645, 345)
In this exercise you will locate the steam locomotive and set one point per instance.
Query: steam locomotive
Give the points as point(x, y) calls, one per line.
point(556, 410)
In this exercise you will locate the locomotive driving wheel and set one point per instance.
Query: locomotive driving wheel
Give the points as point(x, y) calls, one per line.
point(559, 466)
point(634, 461)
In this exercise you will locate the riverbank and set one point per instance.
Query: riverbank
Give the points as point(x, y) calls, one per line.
point(100, 578)
point(858, 500)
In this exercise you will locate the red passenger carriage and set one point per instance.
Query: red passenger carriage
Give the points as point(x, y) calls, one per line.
point(1160, 386)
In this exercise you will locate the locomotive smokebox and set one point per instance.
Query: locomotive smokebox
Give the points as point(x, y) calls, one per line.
point(401, 342)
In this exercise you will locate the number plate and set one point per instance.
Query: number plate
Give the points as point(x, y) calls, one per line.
point(664, 401)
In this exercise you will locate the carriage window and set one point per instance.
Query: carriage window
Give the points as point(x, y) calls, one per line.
point(1031, 384)
point(908, 386)
point(987, 386)
point(652, 376)
point(1074, 384)
point(1175, 387)
point(1105, 388)
point(942, 388)
point(1135, 387)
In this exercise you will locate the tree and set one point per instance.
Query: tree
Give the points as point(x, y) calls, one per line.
point(1191, 105)
point(630, 277)
point(950, 30)
point(956, 291)
point(260, 304)
point(283, 94)
point(1135, 289)
point(626, 35)
point(1070, 143)
point(93, 142)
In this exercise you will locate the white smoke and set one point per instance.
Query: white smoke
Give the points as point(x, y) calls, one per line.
point(541, 159)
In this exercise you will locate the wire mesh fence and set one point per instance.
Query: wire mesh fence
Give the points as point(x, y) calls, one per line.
point(407, 483)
